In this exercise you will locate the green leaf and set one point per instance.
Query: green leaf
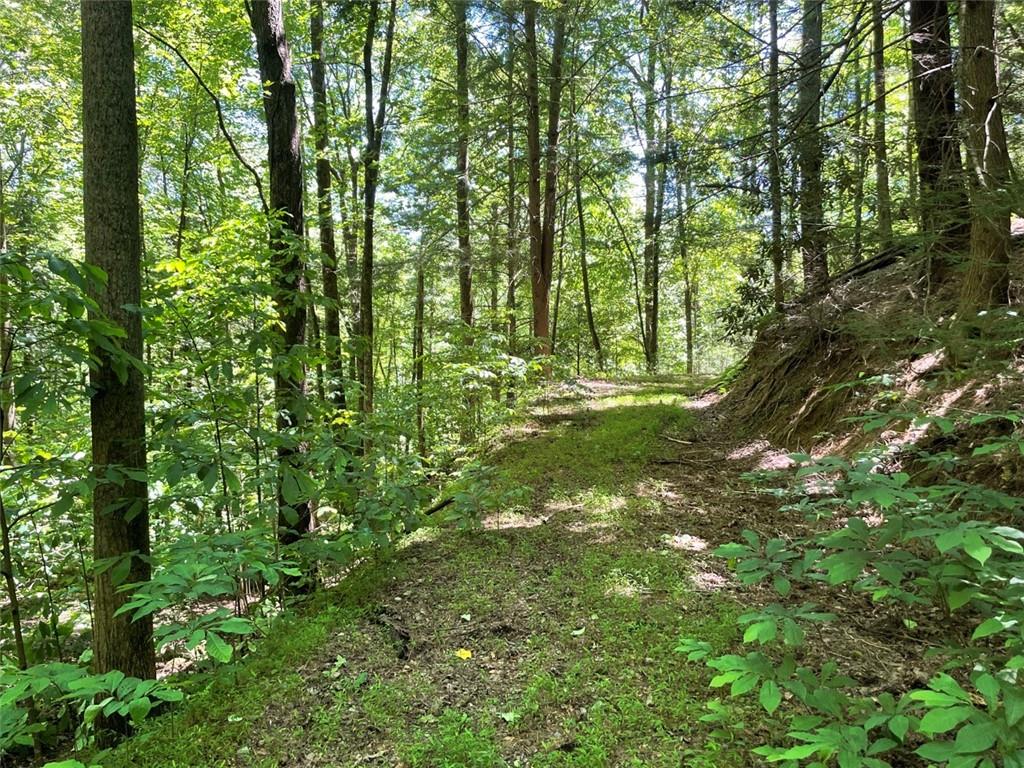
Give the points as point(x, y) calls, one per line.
point(217, 649)
point(138, 709)
point(1013, 705)
point(976, 737)
point(770, 696)
point(235, 626)
point(942, 720)
point(976, 547)
point(899, 725)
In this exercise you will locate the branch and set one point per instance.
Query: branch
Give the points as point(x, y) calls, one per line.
point(220, 112)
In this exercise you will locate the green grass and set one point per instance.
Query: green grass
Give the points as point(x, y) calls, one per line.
point(571, 622)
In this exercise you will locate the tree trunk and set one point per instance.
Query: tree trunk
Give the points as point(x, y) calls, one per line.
point(462, 163)
point(284, 155)
point(774, 159)
point(417, 356)
point(581, 222)
point(941, 190)
point(335, 365)
point(542, 220)
point(988, 276)
point(809, 150)
point(861, 169)
point(511, 202)
point(371, 175)
point(883, 209)
point(113, 243)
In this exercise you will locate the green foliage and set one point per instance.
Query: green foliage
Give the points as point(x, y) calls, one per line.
point(949, 546)
point(36, 698)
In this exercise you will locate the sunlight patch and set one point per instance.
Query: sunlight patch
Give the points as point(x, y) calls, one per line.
point(708, 581)
point(685, 542)
point(501, 521)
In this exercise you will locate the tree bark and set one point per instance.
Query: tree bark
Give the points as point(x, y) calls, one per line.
point(542, 212)
point(113, 243)
point(774, 159)
point(417, 355)
point(374, 127)
point(988, 276)
point(809, 150)
point(462, 162)
point(511, 202)
point(577, 180)
point(335, 364)
point(286, 246)
point(942, 196)
point(883, 208)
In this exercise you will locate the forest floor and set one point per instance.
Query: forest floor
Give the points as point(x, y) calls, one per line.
point(570, 606)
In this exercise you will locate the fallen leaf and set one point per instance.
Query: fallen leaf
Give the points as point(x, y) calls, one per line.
point(464, 653)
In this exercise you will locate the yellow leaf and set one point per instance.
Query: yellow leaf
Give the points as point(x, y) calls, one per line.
point(464, 653)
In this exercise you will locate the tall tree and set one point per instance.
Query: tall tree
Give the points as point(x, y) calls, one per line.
point(542, 209)
point(286, 248)
point(883, 208)
point(325, 208)
point(577, 181)
point(374, 136)
point(942, 196)
point(462, 161)
point(809, 151)
point(988, 160)
point(774, 158)
point(113, 243)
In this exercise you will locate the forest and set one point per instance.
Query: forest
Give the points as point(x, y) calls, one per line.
point(537, 383)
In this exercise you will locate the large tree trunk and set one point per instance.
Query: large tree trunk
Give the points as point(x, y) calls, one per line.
point(325, 210)
point(462, 162)
point(942, 197)
point(883, 209)
point(774, 158)
point(286, 246)
point(511, 201)
point(542, 212)
point(809, 150)
point(988, 277)
point(113, 243)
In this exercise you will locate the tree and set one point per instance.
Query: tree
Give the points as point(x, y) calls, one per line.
point(942, 197)
point(883, 209)
point(542, 210)
point(777, 251)
point(287, 266)
point(988, 161)
point(325, 208)
point(113, 244)
point(462, 162)
point(374, 138)
point(809, 151)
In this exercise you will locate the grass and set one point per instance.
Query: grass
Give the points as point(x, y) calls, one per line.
point(570, 608)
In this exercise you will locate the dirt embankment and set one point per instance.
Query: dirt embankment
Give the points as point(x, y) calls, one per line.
point(883, 341)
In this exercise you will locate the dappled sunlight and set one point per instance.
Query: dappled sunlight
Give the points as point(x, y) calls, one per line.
point(708, 581)
point(501, 521)
point(685, 542)
point(620, 583)
point(704, 401)
point(763, 453)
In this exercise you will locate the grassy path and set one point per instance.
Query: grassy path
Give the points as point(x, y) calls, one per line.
point(570, 608)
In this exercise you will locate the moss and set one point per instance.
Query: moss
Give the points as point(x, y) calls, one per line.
point(571, 619)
